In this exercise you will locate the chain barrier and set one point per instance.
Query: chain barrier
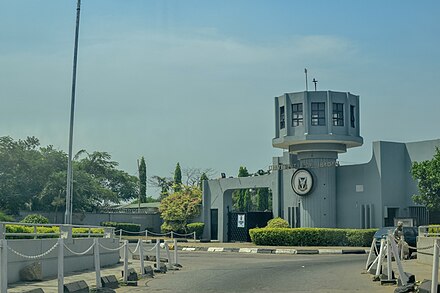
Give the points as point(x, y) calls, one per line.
point(33, 256)
point(178, 234)
point(79, 253)
point(111, 249)
point(154, 247)
point(137, 247)
point(129, 232)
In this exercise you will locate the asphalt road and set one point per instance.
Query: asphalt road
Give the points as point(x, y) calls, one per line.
point(239, 272)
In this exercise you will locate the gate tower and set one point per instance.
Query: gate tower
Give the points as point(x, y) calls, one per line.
point(316, 126)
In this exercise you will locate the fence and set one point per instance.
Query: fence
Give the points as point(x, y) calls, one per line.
point(147, 233)
point(61, 246)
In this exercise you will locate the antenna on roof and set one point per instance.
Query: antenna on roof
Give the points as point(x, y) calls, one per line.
point(307, 84)
point(315, 82)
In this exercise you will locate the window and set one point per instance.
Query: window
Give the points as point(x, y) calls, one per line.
point(318, 114)
point(352, 120)
point(282, 118)
point(297, 114)
point(338, 114)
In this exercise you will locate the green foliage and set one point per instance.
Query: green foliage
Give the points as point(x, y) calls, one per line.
point(427, 174)
point(241, 198)
point(179, 207)
point(35, 219)
point(177, 178)
point(263, 199)
point(196, 227)
point(203, 178)
point(143, 180)
point(277, 223)
point(129, 227)
point(5, 218)
point(47, 230)
point(311, 236)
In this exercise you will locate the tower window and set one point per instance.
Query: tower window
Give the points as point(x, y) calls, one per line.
point(352, 120)
point(318, 114)
point(282, 118)
point(297, 114)
point(338, 114)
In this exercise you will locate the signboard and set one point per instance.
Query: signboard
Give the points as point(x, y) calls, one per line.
point(302, 181)
point(240, 221)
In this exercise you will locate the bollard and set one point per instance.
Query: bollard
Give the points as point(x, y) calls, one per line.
point(172, 235)
point(167, 249)
point(381, 253)
point(4, 266)
point(120, 235)
point(195, 238)
point(389, 267)
point(60, 265)
point(146, 233)
point(141, 255)
point(434, 284)
point(157, 254)
point(175, 252)
point(125, 260)
point(97, 263)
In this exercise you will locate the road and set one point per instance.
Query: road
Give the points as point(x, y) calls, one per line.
point(239, 272)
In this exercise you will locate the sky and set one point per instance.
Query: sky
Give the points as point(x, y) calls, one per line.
point(194, 81)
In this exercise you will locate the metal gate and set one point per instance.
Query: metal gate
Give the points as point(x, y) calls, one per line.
point(239, 224)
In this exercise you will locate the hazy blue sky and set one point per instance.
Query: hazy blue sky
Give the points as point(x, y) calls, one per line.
point(193, 81)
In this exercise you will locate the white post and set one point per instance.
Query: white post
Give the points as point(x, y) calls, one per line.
point(167, 249)
point(175, 252)
point(370, 255)
point(4, 266)
point(97, 263)
point(402, 274)
point(381, 253)
point(158, 254)
point(141, 256)
point(125, 260)
point(195, 238)
point(146, 233)
point(172, 235)
point(60, 265)
point(434, 284)
point(120, 235)
point(389, 256)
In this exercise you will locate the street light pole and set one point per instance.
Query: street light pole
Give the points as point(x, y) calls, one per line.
point(69, 188)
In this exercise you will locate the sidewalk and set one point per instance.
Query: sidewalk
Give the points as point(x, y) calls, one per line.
point(421, 271)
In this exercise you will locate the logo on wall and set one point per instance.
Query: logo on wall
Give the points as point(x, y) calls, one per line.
point(240, 221)
point(302, 181)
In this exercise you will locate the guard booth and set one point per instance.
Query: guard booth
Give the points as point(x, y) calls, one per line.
point(239, 224)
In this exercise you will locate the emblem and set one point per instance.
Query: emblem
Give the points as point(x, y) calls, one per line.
point(302, 181)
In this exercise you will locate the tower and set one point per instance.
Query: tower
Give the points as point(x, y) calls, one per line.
point(316, 127)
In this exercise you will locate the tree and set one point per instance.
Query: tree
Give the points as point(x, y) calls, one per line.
point(263, 199)
point(427, 174)
point(193, 176)
point(177, 178)
point(178, 208)
point(143, 180)
point(163, 183)
point(241, 197)
point(203, 177)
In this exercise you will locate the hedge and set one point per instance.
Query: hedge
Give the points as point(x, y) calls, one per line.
point(47, 230)
point(196, 227)
point(311, 236)
point(129, 227)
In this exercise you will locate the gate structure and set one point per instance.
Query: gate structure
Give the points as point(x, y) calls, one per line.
point(239, 224)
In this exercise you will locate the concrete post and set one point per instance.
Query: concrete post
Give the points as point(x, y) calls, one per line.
point(60, 265)
point(389, 267)
point(97, 263)
point(175, 252)
point(141, 255)
point(125, 260)
point(146, 233)
point(158, 254)
point(195, 238)
point(172, 235)
point(4, 266)
point(434, 284)
point(120, 235)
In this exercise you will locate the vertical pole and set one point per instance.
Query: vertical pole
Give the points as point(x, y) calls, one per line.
point(158, 254)
point(97, 263)
point(402, 274)
point(389, 256)
point(381, 253)
point(434, 284)
point(172, 235)
point(60, 265)
point(125, 260)
point(141, 255)
point(4, 266)
point(176, 262)
point(120, 235)
point(195, 238)
point(146, 233)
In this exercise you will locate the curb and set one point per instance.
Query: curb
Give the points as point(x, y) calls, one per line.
point(276, 251)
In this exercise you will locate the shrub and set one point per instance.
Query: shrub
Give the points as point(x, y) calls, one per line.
point(126, 227)
point(311, 236)
point(196, 227)
point(35, 219)
point(5, 218)
point(277, 223)
point(172, 226)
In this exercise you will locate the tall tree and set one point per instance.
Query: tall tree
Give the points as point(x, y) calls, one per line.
point(427, 174)
point(177, 178)
point(143, 180)
point(163, 183)
point(241, 197)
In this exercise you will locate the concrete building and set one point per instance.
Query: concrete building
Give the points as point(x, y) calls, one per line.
point(309, 187)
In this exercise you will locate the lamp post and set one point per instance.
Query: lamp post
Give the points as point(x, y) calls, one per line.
point(69, 188)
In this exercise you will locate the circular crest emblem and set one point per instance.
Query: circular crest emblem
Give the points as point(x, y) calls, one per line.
point(302, 181)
